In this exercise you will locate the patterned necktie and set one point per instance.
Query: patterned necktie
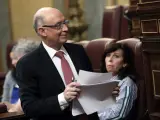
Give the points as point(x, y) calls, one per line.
point(67, 72)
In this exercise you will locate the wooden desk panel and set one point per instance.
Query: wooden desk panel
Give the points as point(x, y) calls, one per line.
point(145, 16)
point(13, 116)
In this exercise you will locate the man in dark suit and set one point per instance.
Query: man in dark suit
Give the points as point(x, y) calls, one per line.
point(43, 90)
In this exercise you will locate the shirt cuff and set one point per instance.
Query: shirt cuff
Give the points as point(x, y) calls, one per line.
point(62, 101)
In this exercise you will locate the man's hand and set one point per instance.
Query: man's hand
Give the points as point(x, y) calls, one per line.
point(71, 91)
point(115, 92)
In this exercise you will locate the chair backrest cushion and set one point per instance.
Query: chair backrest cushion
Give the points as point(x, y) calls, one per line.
point(111, 22)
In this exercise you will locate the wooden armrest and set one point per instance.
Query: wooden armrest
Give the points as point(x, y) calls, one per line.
point(13, 116)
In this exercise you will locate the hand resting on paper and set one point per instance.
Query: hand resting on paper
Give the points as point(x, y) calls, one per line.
point(72, 91)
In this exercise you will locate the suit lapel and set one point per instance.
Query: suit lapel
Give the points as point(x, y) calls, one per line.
point(49, 66)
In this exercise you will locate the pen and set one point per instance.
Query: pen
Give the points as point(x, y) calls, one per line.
point(73, 79)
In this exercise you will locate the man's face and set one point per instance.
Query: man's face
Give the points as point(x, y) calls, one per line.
point(55, 28)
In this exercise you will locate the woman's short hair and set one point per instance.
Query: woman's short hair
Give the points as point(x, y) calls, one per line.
point(128, 58)
point(24, 46)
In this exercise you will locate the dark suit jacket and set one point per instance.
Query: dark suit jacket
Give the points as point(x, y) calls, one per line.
point(40, 82)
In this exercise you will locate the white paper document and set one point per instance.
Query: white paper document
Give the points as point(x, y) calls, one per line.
point(96, 92)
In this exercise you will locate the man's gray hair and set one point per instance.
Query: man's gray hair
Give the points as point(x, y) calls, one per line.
point(24, 46)
point(37, 22)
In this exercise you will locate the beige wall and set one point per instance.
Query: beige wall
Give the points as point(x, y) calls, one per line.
point(123, 2)
point(21, 14)
point(5, 32)
point(0, 62)
point(118, 2)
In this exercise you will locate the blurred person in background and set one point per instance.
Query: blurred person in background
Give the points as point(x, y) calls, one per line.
point(10, 94)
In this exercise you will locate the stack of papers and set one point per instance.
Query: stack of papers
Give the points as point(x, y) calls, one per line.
point(96, 92)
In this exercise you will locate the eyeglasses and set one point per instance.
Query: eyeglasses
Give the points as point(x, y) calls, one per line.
point(58, 26)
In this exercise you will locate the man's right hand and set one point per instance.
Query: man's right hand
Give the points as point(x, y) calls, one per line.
point(72, 91)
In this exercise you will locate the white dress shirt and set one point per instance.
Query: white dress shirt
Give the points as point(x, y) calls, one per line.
point(57, 62)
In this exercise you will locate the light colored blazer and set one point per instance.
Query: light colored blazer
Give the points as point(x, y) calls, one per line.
point(8, 86)
point(124, 102)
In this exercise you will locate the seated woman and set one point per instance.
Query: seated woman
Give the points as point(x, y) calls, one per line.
point(9, 82)
point(10, 94)
point(118, 59)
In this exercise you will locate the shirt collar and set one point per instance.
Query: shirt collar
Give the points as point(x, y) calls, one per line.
point(52, 51)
